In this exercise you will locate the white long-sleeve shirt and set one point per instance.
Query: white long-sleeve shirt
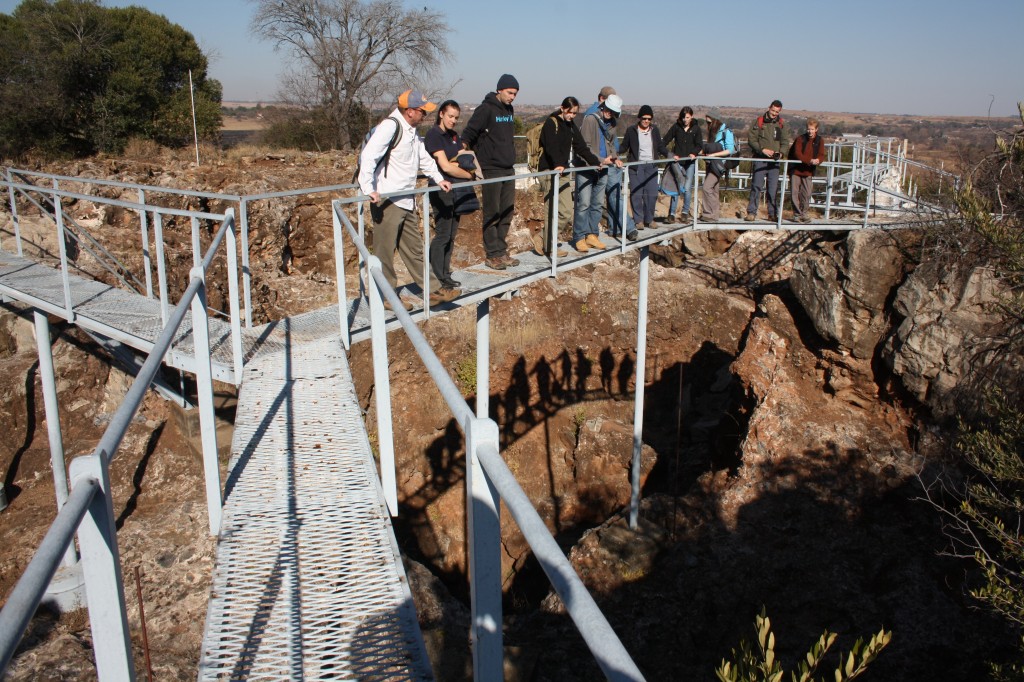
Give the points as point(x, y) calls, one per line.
point(408, 159)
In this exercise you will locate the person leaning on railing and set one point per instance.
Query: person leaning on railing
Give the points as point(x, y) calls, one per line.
point(560, 141)
point(721, 143)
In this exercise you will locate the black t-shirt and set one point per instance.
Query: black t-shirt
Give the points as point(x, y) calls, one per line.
point(448, 142)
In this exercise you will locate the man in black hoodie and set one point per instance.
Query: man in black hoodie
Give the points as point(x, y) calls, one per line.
point(491, 134)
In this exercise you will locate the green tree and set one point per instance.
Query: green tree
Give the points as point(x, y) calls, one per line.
point(81, 78)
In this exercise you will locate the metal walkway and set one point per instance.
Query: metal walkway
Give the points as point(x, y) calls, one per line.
point(309, 582)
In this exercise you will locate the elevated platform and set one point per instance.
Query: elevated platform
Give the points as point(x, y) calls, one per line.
point(309, 582)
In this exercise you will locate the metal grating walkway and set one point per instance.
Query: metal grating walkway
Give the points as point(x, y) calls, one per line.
point(309, 583)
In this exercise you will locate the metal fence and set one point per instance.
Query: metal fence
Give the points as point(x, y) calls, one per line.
point(89, 510)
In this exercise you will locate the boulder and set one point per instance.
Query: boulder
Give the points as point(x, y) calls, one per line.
point(947, 341)
point(844, 287)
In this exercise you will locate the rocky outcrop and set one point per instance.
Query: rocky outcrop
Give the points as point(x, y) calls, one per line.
point(844, 287)
point(947, 342)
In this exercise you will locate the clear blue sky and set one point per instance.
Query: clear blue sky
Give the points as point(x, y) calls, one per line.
point(893, 56)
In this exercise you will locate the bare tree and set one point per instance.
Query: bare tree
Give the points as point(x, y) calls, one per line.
point(347, 53)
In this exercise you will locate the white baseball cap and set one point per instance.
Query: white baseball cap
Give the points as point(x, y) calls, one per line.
point(614, 103)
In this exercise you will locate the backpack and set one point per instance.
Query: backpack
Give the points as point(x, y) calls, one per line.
point(386, 159)
point(730, 163)
point(533, 146)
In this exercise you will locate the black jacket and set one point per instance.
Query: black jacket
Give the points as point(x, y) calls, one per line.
point(686, 142)
point(491, 133)
point(631, 144)
point(558, 139)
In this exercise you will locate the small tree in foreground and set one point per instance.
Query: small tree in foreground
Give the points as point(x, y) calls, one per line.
point(761, 665)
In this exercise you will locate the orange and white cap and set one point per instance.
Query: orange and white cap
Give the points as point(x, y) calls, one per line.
point(414, 99)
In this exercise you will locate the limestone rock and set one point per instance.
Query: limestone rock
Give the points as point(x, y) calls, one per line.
point(844, 288)
point(946, 339)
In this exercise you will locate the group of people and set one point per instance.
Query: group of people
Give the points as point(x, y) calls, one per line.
point(394, 156)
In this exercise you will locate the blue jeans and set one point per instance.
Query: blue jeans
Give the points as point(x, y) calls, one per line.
point(613, 192)
point(764, 172)
point(688, 168)
point(589, 203)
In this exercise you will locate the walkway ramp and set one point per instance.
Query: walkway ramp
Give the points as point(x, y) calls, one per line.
point(309, 583)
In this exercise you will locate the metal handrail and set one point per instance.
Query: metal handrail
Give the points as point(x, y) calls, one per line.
point(601, 639)
point(30, 589)
point(99, 548)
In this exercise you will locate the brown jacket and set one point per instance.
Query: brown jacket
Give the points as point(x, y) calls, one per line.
point(804, 150)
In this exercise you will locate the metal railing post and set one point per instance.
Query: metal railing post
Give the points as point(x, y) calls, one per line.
point(556, 187)
point(868, 199)
point(204, 392)
point(829, 173)
point(14, 213)
point(52, 411)
point(197, 253)
point(483, 526)
point(694, 205)
point(784, 170)
point(483, 358)
point(339, 273)
point(233, 304)
point(382, 393)
point(146, 262)
point(426, 255)
point(161, 266)
point(101, 566)
point(58, 217)
point(641, 373)
point(243, 220)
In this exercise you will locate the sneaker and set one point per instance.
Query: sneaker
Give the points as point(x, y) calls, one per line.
point(750, 217)
point(805, 219)
point(632, 236)
point(594, 242)
point(450, 282)
point(509, 261)
point(496, 263)
point(581, 246)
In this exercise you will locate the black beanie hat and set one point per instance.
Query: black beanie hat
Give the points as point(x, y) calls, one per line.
point(507, 81)
point(646, 110)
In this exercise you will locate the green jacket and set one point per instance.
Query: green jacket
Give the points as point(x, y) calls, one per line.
point(766, 137)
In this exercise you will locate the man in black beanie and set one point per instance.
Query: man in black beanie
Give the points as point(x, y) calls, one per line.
point(491, 134)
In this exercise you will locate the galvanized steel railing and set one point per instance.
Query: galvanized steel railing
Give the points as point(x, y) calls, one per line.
point(89, 507)
point(488, 482)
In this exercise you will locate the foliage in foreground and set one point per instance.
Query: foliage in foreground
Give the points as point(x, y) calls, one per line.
point(79, 78)
point(761, 665)
point(985, 519)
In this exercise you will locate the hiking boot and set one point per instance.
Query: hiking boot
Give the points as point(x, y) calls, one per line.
point(443, 295)
point(538, 244)
point(632, 236)
point(594, 242)
point(509, 261)
point(405, 304)
point(581, 246)
point(804, 219)
point(496, 263)
point(750, 217)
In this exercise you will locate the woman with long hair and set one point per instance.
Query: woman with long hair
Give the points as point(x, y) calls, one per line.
point(560, 141)
point(720, 143)
point(444, 144)
point(689, 143)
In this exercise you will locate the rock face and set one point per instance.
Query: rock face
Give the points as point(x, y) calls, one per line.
point(944, 344)
point(814, 526)
point(844, 287)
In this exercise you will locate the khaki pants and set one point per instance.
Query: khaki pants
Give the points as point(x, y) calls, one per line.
point(800, 193)
point(709, 199)
point(565, 206)
point(394, 228)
